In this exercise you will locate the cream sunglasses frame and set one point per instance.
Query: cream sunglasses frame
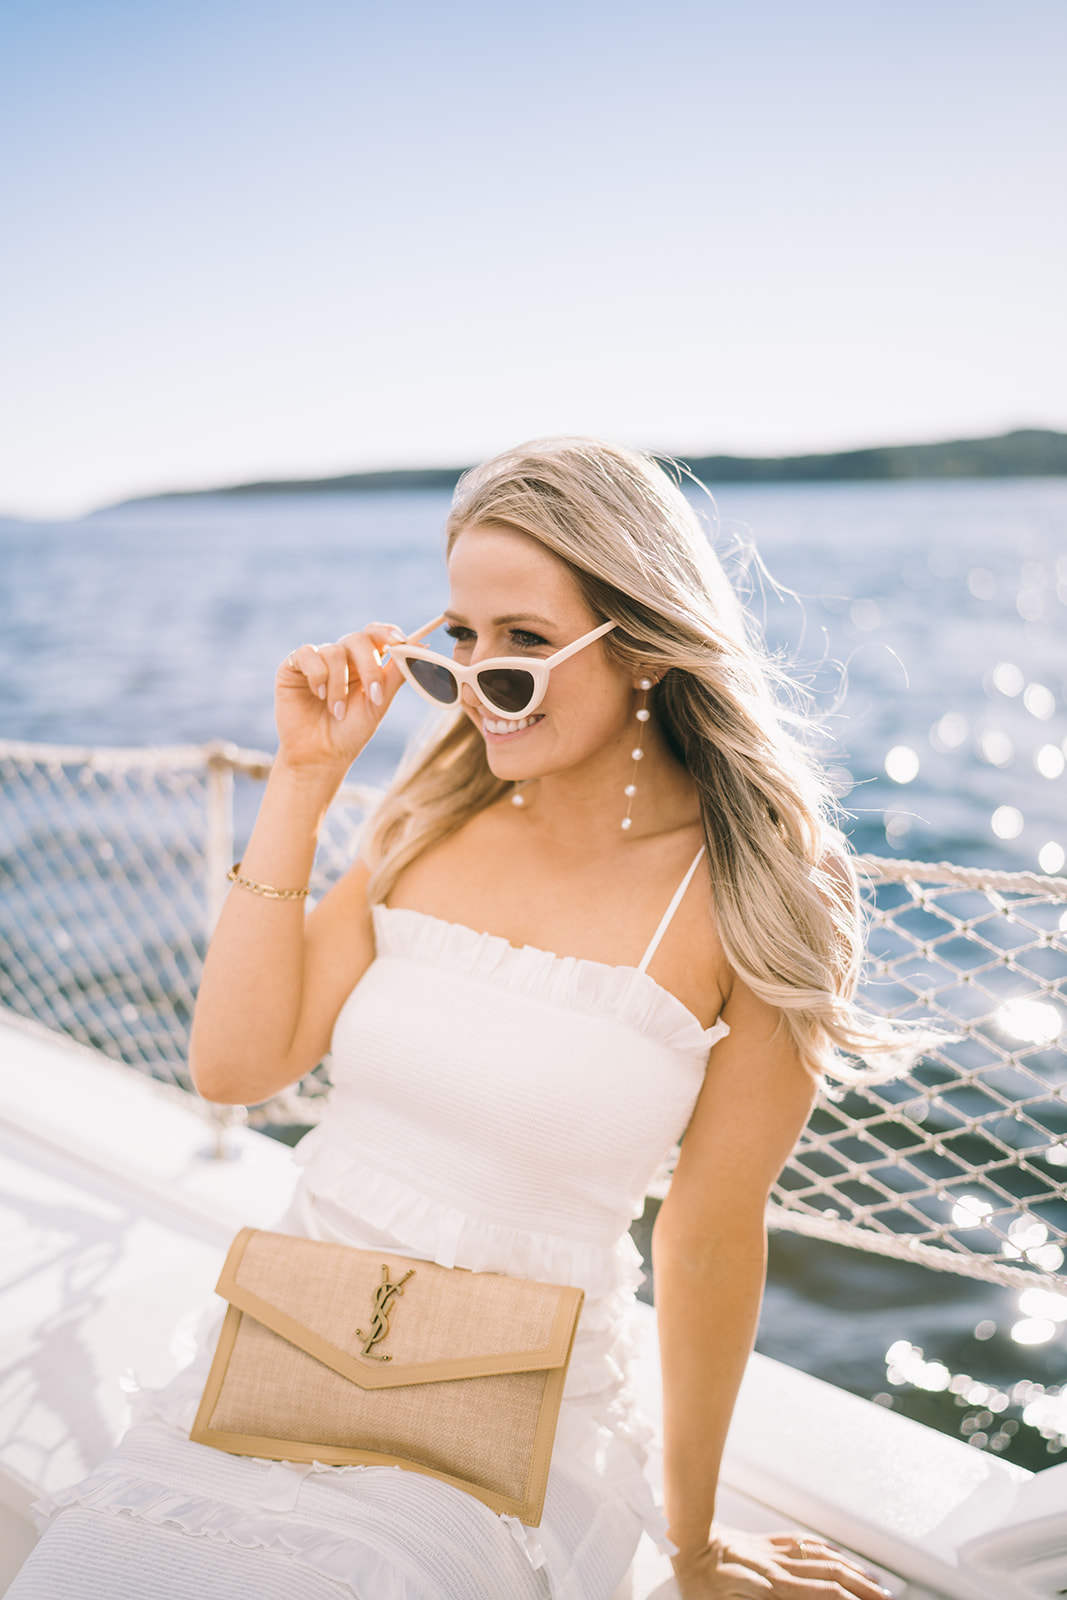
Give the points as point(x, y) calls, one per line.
point(538, 668)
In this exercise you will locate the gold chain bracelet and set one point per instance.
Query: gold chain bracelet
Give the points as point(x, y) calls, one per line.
point(265, 889)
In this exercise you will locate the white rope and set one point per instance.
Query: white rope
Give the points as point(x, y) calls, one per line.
point(890, 871)
point(112, 867)
point(147, 758)
point(907, 1249)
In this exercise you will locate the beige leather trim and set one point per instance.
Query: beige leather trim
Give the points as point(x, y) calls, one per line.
point(213, 1387)
point(528, 1511)
point(370, 1374)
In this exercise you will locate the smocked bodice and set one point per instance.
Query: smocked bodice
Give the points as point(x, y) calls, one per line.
point(503, 1108)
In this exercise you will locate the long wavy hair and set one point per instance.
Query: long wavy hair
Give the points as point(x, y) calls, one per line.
point(785, 892)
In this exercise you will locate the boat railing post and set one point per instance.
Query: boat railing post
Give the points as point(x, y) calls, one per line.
point(218, 853)
point(219, 758)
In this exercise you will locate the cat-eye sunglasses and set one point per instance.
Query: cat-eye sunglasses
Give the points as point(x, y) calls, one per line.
point(510, 686)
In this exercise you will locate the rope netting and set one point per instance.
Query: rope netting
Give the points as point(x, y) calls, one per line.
point(112, 871)
point(113, 867)
point(960, 1162)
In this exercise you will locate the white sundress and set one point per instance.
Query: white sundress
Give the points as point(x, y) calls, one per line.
point(494, 1108)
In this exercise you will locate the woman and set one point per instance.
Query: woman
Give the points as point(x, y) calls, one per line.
point(505, 1082)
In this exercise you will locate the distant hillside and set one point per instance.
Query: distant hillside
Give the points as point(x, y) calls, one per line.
point(1026, 453)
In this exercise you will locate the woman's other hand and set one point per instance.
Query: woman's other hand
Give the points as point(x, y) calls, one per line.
point(777, 1566)
point(330, 698)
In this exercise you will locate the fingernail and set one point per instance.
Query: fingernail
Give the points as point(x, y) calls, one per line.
point(321, 691)
point(375, 692)
point(339, 711)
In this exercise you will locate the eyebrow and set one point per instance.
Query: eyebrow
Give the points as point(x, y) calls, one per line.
point(512, 616)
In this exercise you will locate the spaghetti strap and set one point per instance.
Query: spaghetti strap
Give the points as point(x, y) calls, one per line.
point(668, 915)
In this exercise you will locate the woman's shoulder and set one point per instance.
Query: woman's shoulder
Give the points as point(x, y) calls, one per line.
point(605, 906)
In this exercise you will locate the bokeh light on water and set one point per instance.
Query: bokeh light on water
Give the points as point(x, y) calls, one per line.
point(1050, 857)
point(1049, 761)
point(902, 764)
point(1007, 822)
point(1008, 678)
point(926, 618)
point(1032, 1021)
point(994, 746)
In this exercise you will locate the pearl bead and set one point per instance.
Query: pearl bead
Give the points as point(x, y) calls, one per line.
point(637, 754)
point(644, 683)
point(626, 823)
point(630, 790)
point(643, 715)
point(517, 800)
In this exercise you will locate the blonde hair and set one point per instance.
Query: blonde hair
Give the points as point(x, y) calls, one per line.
point(786, 902)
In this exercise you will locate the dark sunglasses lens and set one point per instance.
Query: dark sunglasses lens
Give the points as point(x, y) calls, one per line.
point(509, 688)
point(435, 679)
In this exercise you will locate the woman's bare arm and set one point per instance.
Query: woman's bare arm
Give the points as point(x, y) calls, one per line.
point(275, 979)
point(709, 1251)
point(709, 1247)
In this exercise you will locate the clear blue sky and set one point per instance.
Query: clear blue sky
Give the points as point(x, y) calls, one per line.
point(247, 240)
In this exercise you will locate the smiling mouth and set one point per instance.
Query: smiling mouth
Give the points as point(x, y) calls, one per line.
point(501, 726)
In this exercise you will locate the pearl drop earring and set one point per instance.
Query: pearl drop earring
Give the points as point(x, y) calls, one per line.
point(643, 714)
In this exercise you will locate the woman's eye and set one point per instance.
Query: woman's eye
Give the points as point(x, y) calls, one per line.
point(518, 638)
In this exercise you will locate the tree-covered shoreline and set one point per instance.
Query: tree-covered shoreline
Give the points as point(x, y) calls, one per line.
point(1023, 453)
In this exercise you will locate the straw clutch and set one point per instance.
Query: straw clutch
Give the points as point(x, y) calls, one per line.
point(348, 1356)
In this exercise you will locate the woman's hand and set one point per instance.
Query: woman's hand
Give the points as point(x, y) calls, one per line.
point(330, 698)
point(777, 1566)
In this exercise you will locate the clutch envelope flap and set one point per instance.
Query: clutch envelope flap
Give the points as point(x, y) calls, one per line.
point(382, 1320)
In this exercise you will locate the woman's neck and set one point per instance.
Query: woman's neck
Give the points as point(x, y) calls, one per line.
point(585, 806)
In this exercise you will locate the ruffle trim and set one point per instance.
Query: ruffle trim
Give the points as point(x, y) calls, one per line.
point(593, 1453)
point(609, 1462)
point(603, 1360)
point(430, 1228)
point(622, 993)
point(335, 1556)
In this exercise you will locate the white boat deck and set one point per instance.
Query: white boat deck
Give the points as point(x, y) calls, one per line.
point(115, 1220)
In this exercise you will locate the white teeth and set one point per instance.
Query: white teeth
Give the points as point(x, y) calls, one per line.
point(507, 727)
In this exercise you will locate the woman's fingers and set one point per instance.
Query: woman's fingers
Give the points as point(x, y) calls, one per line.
point(836, 1577)
point(328, 676)
point(379, 683)
point(812, 1559)
point(366, 657)
point(788, 1566)
point(306, 661)
point(334, 670)
point(387, 677)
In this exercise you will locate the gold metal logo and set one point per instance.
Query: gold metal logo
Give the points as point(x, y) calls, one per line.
point(383, 1295)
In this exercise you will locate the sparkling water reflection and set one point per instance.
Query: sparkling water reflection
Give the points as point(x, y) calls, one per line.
point(927, 620)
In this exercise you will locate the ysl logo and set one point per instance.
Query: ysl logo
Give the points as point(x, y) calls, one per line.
point(383, 1295)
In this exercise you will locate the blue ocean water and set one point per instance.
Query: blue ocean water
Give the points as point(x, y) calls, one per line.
point(928, 620)
point(163, 623)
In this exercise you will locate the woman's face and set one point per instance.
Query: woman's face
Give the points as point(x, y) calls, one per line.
point(509, 596)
